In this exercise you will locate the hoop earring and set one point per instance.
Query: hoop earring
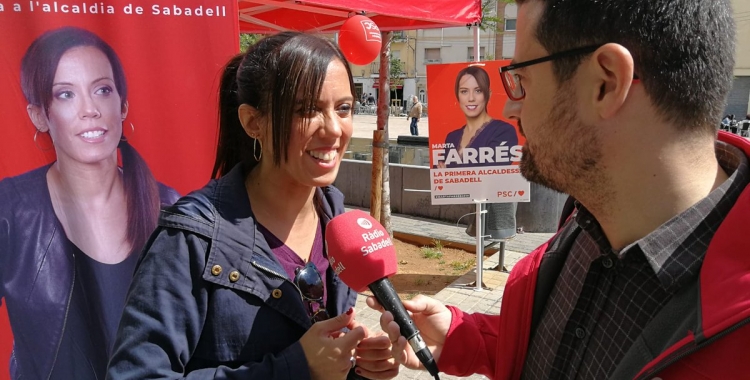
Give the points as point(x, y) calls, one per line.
point(37, 144)
point(125, 139)
point(257, 152)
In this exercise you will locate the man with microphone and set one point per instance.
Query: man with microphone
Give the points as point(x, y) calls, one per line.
point(619, 103)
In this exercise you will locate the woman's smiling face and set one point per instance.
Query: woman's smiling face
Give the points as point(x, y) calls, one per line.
point(471, 98)
point(320, 135)
point(85, 114)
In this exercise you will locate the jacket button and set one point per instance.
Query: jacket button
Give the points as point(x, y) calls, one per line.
point(234, 276)
point(276, 293)
point(216, 270)
point(580, 333)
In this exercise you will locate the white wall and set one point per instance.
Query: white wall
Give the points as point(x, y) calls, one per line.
point(741, 10)
point(509, 37)
point(511, 11)
point(509, 45)
point(454, 44)
point(410, 88)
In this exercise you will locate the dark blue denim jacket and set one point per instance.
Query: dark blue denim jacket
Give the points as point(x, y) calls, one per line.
point(209, 298)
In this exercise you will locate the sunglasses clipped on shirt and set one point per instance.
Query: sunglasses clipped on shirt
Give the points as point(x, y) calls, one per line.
point(512, 82)
point(310, 284)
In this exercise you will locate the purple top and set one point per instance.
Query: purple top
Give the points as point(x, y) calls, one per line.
point(291, 261)
point(491, 135)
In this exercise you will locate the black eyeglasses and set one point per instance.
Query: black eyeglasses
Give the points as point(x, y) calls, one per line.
point(310, 284)
point(511, 81)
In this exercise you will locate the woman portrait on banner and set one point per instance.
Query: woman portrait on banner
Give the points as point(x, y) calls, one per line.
point(71, 231)
point(482, 141)
point(235, 282)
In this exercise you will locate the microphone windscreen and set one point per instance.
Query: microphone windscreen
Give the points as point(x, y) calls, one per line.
point(359, 249)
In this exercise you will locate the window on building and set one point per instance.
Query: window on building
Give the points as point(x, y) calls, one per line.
point(470, 55)
point(432, 55)
point(510, 24)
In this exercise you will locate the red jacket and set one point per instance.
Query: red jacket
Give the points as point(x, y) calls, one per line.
point(702, 334)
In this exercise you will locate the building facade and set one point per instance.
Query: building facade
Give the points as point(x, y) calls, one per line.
point(738, 102)
point(506, 32)
point(418, 48)
point(403, 50)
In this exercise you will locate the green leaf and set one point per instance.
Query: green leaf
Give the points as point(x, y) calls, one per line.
point(247, 40)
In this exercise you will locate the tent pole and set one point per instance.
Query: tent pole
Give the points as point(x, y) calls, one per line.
point(476, 42)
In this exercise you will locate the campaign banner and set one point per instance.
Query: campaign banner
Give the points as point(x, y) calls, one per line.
point(474, 151)
point(87, 84)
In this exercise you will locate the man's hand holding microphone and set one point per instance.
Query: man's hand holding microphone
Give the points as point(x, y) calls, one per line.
point(363, 256)
point(432, 319)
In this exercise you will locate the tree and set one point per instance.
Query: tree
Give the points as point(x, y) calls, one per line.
point(396, 68)
point(247, 40)
point(491, 21)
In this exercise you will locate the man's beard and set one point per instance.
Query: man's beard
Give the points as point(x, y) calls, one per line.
point(568, 157)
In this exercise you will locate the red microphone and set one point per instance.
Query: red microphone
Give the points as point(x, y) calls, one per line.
point(362, 255)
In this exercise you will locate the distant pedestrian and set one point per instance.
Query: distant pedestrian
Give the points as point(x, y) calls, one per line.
point(415, 114)
point(370, 99)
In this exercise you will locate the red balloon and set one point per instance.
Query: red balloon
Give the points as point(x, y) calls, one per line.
point(360, 40)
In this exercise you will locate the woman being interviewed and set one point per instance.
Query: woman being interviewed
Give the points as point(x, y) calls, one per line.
point(472, 91)
point(235, 282)
point(71, 231)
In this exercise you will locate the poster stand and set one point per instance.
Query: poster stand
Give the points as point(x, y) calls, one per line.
point(459, 177)
point(478, 285)
point(481, 220)
point(500, 267)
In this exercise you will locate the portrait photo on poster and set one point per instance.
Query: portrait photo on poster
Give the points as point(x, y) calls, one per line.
point(474, 152)
point(83, 205)
point(92, 153)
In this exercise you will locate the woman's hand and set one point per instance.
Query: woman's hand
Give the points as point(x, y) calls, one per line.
point(374, 358)
point(432, 319)
point(327, 350)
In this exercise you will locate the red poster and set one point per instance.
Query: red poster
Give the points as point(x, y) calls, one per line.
point(170, 54)
point(474, 151)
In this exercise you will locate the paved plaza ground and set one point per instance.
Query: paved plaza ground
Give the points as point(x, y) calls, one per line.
point(457, 293)
point(365, 124)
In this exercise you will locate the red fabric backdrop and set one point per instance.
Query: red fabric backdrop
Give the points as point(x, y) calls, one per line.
point(172, 64)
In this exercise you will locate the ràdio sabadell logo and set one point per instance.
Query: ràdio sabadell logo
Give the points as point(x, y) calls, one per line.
point(364, 223)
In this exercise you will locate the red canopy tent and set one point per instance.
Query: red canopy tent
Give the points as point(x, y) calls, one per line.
point(326, 16)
